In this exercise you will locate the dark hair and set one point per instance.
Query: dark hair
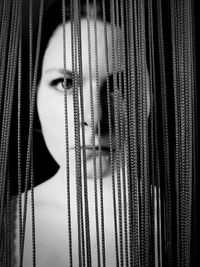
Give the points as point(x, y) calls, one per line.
point(53, 18)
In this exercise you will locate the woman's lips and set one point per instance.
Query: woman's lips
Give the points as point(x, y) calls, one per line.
point(97, 149)
point(103, 149)
point(96, 152)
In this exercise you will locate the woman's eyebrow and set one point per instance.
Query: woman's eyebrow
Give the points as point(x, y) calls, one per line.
point(59, 70)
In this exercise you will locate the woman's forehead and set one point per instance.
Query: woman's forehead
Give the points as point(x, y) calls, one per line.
point(54, 54)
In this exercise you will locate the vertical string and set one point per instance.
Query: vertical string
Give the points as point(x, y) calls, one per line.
point(99, 136)
point(67, 143)
point(181, 132)
point(30, 46)
point(184, 143)
point(189, 121)
point(154, 202)
point(124, 134)
point(8, 223)
point(183, 87)
point(116, 123)
point(86, 205)
point(8, 96)
point(133, 181)
point(19, 140)
point(194, 253)
point(80, 79)
point(143, 139)
point(74, 33)
point(156, 227)
point(139, 132)
point(110, 131)
point(87, 220)
point(1, 14)
point(31, 156)
point(28, 173)
point(123, 121)
point(93, 134)
point(168, 203)
point(183, 170)
point(8, 103)
point(4, 41)
point(4, 44)
point(10, 72)
point(175, 85)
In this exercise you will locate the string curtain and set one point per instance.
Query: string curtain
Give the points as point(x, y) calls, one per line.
point(157, 170)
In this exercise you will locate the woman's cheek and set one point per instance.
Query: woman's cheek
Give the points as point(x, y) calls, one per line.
point(51, 115)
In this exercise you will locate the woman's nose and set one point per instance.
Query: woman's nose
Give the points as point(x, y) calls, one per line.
point(98, 111)
point(90, 106)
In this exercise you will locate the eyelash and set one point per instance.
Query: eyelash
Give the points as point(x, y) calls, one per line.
point(55, 83)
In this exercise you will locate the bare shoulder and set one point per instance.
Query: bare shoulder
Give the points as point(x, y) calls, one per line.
point(43, 219)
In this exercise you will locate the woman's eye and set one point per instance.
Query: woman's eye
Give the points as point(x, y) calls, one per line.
point(59, 85)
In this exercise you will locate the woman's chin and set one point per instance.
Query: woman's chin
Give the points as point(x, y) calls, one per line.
point(96, 166)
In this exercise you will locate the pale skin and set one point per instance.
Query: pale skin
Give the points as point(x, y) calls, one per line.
point(51, 197)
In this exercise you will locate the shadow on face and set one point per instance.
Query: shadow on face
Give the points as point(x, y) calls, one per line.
point(96, 82)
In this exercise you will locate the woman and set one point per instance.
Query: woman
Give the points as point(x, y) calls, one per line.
point(51, 201)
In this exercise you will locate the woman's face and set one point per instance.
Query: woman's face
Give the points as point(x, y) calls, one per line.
point(50, 99)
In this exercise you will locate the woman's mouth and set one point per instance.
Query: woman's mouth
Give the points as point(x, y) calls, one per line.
point(97, 151)
point(100, 156)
